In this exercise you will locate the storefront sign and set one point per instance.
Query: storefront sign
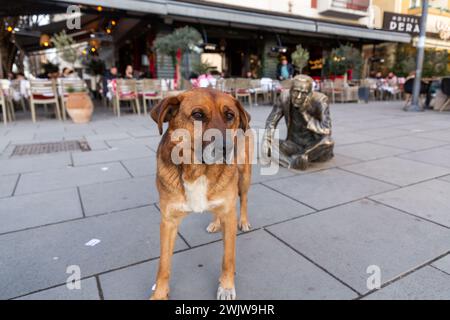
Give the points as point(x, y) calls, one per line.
point(401, 23)
point(316, 64)
point(443, 29)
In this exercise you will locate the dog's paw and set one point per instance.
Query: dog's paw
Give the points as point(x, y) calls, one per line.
point(213, 227)
point(159, 297)
point(226, 294)
point(244, 226)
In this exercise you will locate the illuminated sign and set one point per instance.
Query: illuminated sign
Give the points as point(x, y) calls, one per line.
point(401, 23)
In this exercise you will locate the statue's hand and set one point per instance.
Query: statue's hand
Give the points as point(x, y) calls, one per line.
point(306, 116)
point(267, 147)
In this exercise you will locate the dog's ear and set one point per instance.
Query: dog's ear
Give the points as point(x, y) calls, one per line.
point(244, 116)
point(165, 110)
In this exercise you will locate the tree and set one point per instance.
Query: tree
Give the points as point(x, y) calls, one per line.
point(300, 58)
point(65, 45)
point(202, 67)
point(176, 43)
point(344, 58)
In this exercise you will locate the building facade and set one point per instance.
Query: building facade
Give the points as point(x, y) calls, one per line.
point(251, 35)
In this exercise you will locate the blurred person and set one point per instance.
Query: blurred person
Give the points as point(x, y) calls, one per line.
point(129, 72)
point(109, 75)
point(69, 73)
point(285, 70)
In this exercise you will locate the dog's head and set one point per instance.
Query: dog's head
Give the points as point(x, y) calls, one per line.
point(207, 108)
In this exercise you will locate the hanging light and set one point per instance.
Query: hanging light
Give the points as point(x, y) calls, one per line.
point(99, 8)
point(108, 30)
point(113, 22)
point(44, 40)
point(9, 28)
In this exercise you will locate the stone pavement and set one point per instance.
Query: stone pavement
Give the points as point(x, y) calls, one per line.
point(383, 203)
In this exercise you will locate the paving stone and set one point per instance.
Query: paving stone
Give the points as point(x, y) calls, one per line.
point(437, 156)
point(429, 200)
point(97, 144)
point(328, 188)
point(34, 163)
point(3, 144)
point(351, 137)
point(440, 135)
point(259, 256)
point(265, 207)
point(139, 133)
point(7, 185)
point(113, 135)
point(88, 291)
point(111, 155)
point(346, 240)
point(70, 177)
point(424, 284)
point(141, 167)
point(262, 173)
point(337, 161)
point(412, 143)
point(385, 132)
point(152, 142)
point(368, 151)
point(118, 195)
point(443, 264)
point(38, 258)
point(38, 209)
point(398, 171)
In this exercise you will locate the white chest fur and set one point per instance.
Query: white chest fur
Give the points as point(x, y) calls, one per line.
point(196, 196)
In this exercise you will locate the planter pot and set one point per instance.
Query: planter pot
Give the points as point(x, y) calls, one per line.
point(79, 107)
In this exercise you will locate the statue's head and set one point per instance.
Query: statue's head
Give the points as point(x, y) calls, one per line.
point(301, 91)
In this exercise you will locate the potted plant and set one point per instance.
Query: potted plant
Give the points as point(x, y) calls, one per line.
point(175, 44)
point(300, 58)
point(79, 105)
point(343, 59)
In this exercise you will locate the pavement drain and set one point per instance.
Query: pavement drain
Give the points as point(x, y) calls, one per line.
point(50, 147)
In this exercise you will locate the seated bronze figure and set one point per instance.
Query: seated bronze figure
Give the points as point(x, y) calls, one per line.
point(308, 121)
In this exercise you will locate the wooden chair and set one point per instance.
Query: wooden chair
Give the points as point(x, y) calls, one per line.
point(43, 92)
point(408, 88)
point(243, 89)
point(328, 90)
point(68, 85)
point(150, 90)
point(126, 90)
point(338, 87)
point(18, 88)
point(229, 86)
point(257, 90)
point(6, 101)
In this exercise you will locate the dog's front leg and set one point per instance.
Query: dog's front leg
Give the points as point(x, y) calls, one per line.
point(228, 220)
point(168, 234)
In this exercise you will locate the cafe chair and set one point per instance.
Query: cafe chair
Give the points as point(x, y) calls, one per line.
point(43, 92)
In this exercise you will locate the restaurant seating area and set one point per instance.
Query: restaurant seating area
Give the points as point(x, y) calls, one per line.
point(139, 96)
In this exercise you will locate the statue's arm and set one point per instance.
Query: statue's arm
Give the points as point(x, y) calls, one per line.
point(321, 126)
point(274, 117)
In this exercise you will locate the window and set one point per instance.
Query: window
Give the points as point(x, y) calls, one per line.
point(415, 4)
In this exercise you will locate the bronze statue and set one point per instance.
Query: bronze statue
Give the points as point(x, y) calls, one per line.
point(308, 121)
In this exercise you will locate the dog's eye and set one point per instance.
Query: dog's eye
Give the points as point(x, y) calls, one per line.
point(229, 116)
point(198, 115)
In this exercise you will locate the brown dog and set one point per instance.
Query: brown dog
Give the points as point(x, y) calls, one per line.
point(190, 187)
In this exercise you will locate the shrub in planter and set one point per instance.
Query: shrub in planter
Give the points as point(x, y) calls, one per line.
point(79, 105)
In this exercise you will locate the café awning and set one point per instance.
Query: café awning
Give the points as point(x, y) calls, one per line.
point(240, 16)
